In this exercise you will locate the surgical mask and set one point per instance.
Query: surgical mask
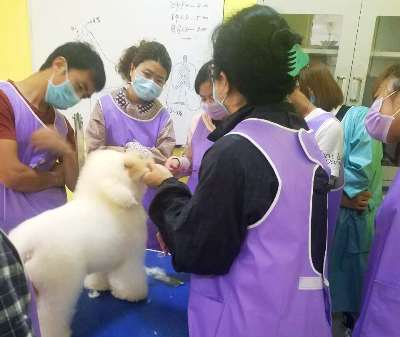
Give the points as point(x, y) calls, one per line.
point(61, 96)
point(378, 124)
point(214, 110)
point(219, 103)
point(313, 99)
point(146, 89)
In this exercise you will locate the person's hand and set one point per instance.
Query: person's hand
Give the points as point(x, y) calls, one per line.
point(58, 175)
point(49, 139)
point(158, 173)
point(359, 202)
point(162, 244)
point(173, 165)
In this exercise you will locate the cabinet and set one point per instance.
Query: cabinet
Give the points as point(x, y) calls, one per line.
point(357, 39)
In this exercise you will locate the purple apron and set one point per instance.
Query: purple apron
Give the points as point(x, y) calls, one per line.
point(121, 129)
point(335, 195)
point(272, 288)
point(200, 145)
point(380, 310)
point(17, 207)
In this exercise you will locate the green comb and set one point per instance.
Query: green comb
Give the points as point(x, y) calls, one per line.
point(298, 59)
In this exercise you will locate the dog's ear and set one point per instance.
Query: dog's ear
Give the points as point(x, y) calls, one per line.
point(117, 193)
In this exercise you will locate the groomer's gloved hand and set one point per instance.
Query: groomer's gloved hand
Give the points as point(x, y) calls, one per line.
point(157, 174)
point(137, 147)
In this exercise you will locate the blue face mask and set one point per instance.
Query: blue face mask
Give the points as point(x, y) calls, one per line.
point(146, 89)
point(61, 96)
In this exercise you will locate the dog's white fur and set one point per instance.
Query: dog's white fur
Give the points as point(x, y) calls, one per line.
point(101, 235)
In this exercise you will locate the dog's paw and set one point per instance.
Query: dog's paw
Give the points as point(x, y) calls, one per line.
point(134, 294)
point(96, 282)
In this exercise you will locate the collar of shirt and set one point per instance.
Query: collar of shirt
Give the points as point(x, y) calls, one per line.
point(47, 117)
point(315, 113)
point(336, 110)
point(122, 99)
point(279, 113)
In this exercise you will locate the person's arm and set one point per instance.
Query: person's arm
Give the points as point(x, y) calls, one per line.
point(182, 166)
point(21, 178)
point(204, 232)
point(49, 139)
point(358, 168)
point(70, 160)
point(165, 143)
point(186, 159)
point(95, 136)
point(330, 141)
point(13, 173)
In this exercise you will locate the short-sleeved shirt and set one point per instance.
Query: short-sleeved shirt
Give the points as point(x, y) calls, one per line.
point(7, 120)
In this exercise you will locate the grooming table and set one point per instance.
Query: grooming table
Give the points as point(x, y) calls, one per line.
point(164, 314)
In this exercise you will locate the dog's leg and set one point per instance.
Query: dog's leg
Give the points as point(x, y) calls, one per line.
point(57, 297)
point(97, 281)
point(129, 281)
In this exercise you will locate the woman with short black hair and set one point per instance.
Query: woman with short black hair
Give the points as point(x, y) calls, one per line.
point(253, 233)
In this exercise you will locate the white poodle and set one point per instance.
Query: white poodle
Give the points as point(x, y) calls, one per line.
point(101, 235)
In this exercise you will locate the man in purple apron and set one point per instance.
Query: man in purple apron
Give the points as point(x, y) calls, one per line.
point(145, 132)
point(36, 141)
point(18, 206)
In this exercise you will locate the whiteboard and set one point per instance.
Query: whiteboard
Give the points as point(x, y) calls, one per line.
point(184, 27)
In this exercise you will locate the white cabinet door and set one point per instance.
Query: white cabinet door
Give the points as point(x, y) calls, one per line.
point(329, 30)
point(378, 46)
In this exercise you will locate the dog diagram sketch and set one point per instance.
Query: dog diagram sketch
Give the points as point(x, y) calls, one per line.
point(85, 33)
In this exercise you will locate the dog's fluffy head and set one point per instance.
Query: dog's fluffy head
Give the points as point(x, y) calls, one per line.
point(115, 176)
